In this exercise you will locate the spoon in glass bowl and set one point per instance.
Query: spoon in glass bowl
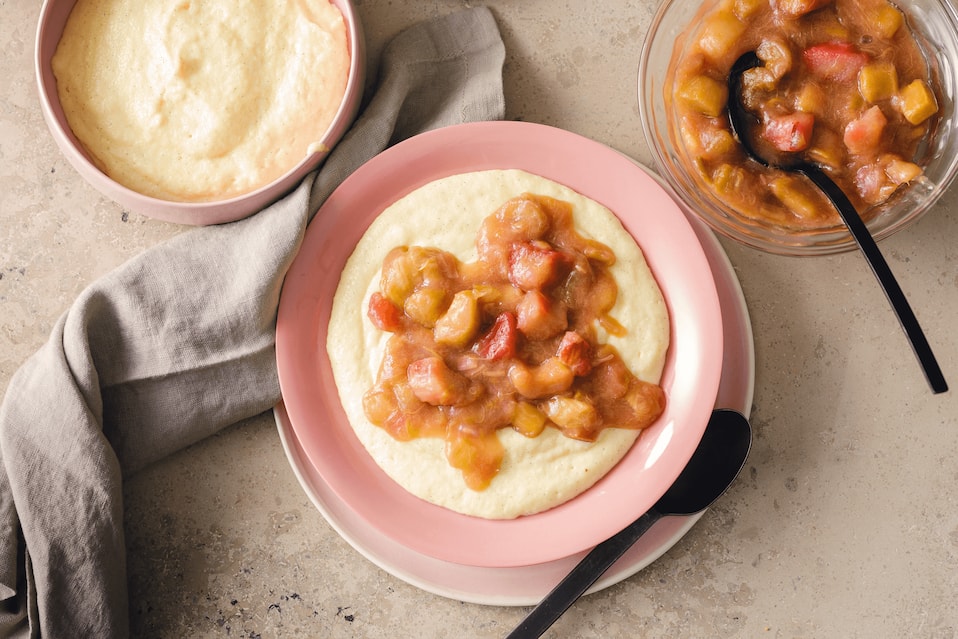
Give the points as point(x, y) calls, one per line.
point(739, 119)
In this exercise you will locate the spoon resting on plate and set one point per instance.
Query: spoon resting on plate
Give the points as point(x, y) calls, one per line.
point(716, 462)
point(739, 120)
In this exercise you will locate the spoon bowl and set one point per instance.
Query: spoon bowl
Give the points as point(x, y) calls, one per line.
point(742, 123)
point(716, 462)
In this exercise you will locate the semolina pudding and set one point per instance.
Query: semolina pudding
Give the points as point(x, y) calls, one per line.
point(497, 341)
point(200, 101)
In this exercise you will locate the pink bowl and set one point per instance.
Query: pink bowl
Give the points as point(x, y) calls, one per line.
point(691, 376)
point(53, 18)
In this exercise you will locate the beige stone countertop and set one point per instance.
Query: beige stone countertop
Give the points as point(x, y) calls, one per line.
point(844, 523)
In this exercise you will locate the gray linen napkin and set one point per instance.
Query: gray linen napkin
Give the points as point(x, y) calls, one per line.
point(179, 343)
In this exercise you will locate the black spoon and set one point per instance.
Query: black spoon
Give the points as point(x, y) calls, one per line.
point(739, 119)
point(716, 461)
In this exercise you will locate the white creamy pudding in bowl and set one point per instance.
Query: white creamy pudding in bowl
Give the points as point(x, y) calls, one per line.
point(198, 113)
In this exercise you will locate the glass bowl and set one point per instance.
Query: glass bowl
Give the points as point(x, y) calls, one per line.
point(53, 18)
point(935, 26)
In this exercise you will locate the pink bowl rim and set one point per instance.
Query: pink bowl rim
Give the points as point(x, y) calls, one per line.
point(691, 375)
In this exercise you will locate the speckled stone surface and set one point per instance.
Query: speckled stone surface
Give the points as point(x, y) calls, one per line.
point(844, 524)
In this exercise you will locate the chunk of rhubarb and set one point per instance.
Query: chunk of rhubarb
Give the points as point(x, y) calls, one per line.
point(384, 315)
point(790, 133)
point(863, 135)
point(795, 8)
point(435, 383)
point(835, 61)
point(536, 265)
point(499, 342)
point(539, 318)
point(575, 352)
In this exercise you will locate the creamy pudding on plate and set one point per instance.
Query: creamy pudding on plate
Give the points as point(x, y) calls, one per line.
point(548, 440)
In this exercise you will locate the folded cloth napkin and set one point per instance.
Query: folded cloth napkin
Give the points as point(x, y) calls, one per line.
point(179, 343)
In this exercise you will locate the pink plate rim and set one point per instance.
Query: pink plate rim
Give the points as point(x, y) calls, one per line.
point(691, 375)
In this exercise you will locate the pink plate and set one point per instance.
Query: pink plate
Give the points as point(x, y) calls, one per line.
point(691, 375)
point(527, 585)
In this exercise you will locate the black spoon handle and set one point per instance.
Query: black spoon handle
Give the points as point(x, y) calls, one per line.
point(906, 317)
point(581, 578)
